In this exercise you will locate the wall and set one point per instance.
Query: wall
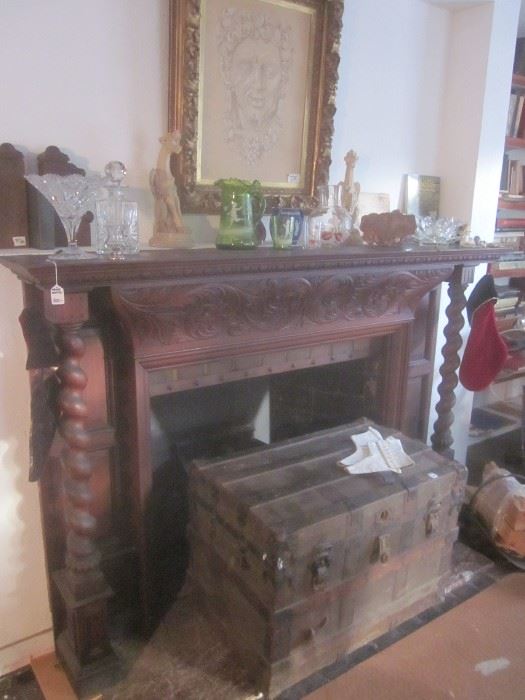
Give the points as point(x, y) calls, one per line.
point(478, 77)
point(92, 79)
point(389, 97)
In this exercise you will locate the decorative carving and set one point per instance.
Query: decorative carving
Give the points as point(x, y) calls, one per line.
point(52, 160)
point(85, 641)
point(351, 188)
point(171, 314)
point(82, 555)
point(157, 266)
point(387, 229)
point(185, 17)
point(442, 438)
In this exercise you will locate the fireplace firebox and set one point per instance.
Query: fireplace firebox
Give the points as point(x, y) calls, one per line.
point(175, 353)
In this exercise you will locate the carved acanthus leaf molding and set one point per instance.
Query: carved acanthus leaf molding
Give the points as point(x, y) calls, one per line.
point(189, 312)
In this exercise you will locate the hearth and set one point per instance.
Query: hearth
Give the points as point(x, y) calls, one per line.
point(223, 420)
point(139, 337)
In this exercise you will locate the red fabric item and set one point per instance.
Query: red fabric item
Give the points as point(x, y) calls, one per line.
point(485, 352)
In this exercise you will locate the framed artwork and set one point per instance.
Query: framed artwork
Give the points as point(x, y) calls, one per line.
point(252, 90)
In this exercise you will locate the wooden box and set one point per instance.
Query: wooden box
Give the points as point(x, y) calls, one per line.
point(299, 563)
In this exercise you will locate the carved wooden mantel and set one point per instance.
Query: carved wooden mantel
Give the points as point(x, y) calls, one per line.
point(181, 310)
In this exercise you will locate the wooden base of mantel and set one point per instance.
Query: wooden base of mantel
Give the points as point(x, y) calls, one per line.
point(84, 647)
point(53, 681)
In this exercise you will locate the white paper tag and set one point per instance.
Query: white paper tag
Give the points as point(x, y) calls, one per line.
point(432, 475)
point(57, 295)
point(19, 241)
point(294, 178)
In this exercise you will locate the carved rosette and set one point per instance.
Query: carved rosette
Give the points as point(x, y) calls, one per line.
point(183, 313)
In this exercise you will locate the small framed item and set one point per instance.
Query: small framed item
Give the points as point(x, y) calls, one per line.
point(422, 194)
point(13, 203)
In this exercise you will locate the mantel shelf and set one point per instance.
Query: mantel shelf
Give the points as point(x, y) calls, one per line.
point(148, 266)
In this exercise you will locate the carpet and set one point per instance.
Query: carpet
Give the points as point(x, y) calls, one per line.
point(476, 651)
point(184, 660)
point(446, 658)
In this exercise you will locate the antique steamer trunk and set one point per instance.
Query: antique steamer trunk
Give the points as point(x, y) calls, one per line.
point(300, 563)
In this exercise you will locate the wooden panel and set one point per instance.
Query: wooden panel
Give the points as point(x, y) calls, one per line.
point(13, 202)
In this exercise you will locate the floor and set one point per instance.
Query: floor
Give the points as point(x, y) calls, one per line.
point(353, 676)
point(475, 651)
point(477, 568)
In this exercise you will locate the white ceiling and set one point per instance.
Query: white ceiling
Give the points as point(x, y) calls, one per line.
point(461, 4)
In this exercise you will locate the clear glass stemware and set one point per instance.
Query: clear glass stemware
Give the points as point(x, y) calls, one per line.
point(71, 196)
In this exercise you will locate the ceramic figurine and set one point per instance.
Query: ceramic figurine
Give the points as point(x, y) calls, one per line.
point(168, 228)
point(351, 189)
point(350, 197)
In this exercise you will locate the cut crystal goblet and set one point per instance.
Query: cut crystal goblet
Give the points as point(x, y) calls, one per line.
point(71, 196)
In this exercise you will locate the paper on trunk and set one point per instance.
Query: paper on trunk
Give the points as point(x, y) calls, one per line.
point(375, 454)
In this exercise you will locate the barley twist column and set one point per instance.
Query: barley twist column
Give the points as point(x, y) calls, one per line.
point(82, 557)
point(84, 644)
point(442, 438)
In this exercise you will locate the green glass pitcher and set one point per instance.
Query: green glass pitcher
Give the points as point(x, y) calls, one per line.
point(242, 207)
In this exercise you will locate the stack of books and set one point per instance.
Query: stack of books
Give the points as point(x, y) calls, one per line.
point(510, 221)
point(516, 117)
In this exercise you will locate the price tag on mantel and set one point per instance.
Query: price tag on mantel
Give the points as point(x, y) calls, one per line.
point(57, 292)
point(57, 295)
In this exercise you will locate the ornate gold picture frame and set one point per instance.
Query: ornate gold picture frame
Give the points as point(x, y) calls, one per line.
point(252, 89)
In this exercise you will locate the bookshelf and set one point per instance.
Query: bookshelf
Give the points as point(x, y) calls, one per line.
point(510, 219)
point(509, 274)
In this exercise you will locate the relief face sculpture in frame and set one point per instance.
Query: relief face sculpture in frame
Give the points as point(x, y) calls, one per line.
point(252, 90)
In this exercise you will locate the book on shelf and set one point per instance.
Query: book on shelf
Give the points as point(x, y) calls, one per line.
point(511, 117)
point(504, 180)
point(512, 181)
point(514, 224)
point(514, 240)
point(519, 56)
point(519, 120)
point(508, 198)
point(516, 116)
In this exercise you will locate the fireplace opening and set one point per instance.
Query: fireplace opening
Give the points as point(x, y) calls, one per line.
point(228, 418)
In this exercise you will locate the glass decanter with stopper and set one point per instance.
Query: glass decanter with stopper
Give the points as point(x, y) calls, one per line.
point(117, 216)
point(330, 223)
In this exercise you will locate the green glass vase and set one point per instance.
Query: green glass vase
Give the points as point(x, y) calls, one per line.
point(242, 206)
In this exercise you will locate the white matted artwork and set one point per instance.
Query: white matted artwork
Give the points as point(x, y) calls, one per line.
point(255, 84)
point(252, 89)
